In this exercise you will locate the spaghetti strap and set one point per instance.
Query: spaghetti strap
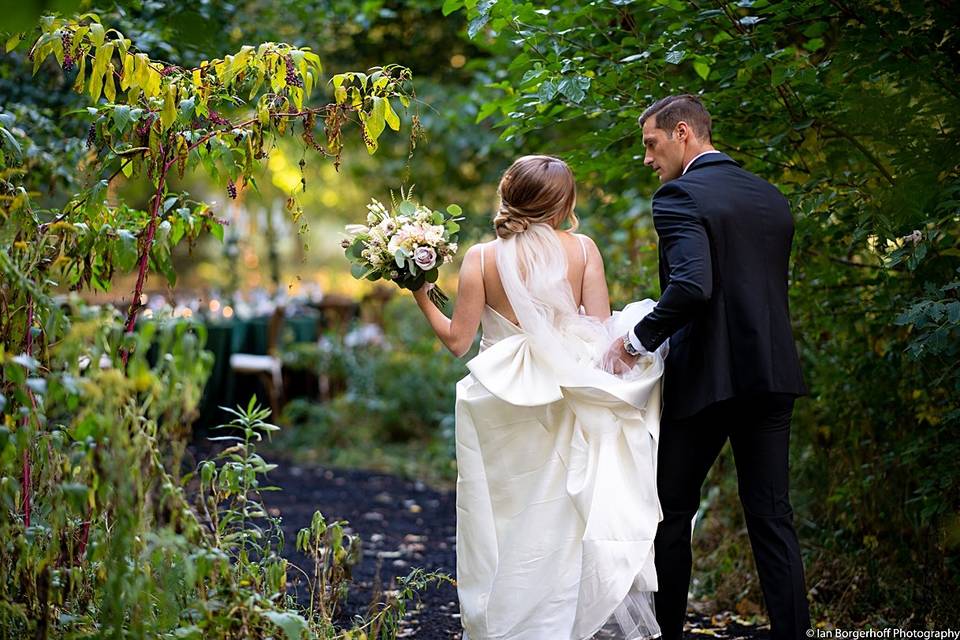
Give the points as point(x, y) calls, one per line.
point(583, 245)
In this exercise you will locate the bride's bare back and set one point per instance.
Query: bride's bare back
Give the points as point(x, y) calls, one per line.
point(584, 266)
point(480, 285)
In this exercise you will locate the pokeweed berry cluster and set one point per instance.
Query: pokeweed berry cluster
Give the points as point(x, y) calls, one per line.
point(232, 189)
point(66, 39)
point(91, 136)
point(216, 118)
point(143, 128)
point(293, 78)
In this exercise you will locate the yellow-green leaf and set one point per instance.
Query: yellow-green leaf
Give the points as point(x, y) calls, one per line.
point(154, 80)
point(169, 112)
point(377, 119)
point(81, 75)
point(14, 41)
point(109, 90)
point(263, 114)
point(313, 59)
point(96, 33)
point(278, 78)
point(393, 120)
point(100, 62)
point(308, 83)
point(96, 84)
point(127, 78)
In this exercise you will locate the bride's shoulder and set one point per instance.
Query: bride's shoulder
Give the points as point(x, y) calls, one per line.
point(582, 237)
point(475, 254)
point(587, 242)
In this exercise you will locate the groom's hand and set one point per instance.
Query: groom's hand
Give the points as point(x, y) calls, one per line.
point(617, 358)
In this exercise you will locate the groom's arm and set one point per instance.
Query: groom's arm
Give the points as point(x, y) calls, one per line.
point(684, 240)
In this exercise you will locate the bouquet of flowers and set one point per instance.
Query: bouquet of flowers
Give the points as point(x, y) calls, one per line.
point(406, 244)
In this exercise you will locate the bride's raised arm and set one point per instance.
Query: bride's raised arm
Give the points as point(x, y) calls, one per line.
point(594, 297)
point(457, 334)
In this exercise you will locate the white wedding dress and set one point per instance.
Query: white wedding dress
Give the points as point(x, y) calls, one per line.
point(556, 493)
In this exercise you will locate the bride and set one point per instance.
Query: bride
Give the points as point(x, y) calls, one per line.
point(556, 449)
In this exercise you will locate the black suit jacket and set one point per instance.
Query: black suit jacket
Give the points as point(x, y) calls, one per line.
point(725, 237)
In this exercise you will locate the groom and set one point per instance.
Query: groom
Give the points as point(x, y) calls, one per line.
point(732, 371)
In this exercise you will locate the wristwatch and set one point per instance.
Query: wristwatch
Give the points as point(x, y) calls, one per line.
point(628, 346)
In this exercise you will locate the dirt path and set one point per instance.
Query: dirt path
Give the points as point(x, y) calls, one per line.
point(403, 525)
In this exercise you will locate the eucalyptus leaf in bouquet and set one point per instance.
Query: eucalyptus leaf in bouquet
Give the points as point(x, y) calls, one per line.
point(405, 244)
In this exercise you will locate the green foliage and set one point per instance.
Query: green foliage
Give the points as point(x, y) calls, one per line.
point(395, 408)
point(851, 109)
point(96, 407)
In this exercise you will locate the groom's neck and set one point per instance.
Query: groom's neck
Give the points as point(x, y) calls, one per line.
point(693, 150)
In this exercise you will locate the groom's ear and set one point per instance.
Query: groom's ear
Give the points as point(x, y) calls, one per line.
point(682, 131)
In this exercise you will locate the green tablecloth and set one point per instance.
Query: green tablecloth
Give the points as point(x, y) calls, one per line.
point(229, 336)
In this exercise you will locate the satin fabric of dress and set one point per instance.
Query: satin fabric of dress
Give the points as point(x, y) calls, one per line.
point(556, 493)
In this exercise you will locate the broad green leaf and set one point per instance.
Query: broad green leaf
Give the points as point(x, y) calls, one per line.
point(449, 6)
point(186, 109)
point(702, 69)
point(121, 116)
point(293, 625)
point(125, 250)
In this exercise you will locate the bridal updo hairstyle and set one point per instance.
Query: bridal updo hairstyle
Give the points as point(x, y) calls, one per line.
point(535, 189)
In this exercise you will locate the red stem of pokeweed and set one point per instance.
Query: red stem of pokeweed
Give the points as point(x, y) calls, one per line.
point(135, 304)
point(137, 294)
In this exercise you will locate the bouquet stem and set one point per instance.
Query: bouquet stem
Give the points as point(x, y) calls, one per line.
point(438, 297)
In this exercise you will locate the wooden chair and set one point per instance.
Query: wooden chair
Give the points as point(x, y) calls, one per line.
point(373, 304)
point(337, 312)
point(268, 367)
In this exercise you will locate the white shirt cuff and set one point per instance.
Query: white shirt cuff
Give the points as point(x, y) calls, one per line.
point(635, 341)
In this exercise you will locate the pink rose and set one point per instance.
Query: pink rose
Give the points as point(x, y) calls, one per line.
point(425, 258)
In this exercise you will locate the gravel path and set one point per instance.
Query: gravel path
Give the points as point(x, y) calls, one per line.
point(403, 525)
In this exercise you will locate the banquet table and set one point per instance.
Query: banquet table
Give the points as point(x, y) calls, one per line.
point(226, 336)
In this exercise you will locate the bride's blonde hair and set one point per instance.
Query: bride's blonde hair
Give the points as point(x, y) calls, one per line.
point(536, 189)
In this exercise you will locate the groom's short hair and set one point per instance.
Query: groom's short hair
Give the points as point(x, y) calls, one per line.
point(685, 107)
